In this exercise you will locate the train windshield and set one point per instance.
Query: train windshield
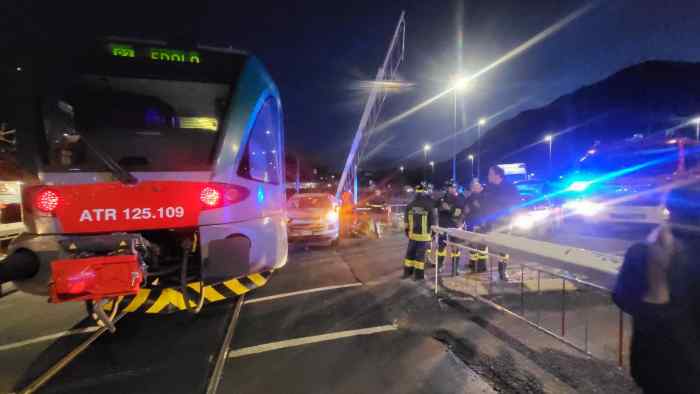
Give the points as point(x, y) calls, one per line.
point(145, 109)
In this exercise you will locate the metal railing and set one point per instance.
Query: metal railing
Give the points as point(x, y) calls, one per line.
point(576, 312)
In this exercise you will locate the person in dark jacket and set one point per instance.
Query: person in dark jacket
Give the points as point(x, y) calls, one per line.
point(451, 214)
point(497, 201)
point(420, 216)
point(659, 285)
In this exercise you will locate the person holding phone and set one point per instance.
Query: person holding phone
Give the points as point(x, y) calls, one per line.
point(659, 286)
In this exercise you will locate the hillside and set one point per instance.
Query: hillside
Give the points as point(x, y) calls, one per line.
point(649, 97)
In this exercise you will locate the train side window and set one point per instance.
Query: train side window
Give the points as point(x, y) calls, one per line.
point(260, 160)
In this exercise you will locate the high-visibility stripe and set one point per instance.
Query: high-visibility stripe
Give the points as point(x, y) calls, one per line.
point(442, 253)
point(140, 298)
point(235, 286)
point(419, 265)
point(210, 294)
point(456, 254)
point(169, 300)
point(408, 263)
point(410, 226)
point(257, 279)
point(424, 224)
point(418, 237)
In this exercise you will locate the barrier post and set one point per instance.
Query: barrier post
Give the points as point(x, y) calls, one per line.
point(563, 307)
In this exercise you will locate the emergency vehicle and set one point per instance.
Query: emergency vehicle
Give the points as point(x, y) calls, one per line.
point(161, 179)
point(627, 182)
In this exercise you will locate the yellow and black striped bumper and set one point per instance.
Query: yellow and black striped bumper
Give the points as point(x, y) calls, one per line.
point(171, 300)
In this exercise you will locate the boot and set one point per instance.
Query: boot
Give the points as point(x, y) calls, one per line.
point(420, 275)
point(407, 272)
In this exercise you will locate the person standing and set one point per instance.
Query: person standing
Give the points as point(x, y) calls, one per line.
point(377, 205)
point(420, 216)
point(498, 199)
point(659, 286)
point(451, 214)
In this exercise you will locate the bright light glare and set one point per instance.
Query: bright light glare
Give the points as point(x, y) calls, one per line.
point(482, 121)
point(584, 207)
point(459, 83)
point(528, 220)
point(548, 138)
point(579, 186)
point(432, 163)
point(332, 216)
point(471, 157)
point(592, 151)
point(671, 142)
point(696, 120)
point(426, 147)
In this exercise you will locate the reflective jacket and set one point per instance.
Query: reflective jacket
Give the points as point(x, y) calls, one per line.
point(420, 215)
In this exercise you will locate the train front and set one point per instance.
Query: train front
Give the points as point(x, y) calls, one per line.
point(160, 180)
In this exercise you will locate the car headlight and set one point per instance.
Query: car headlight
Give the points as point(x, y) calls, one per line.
point(332, 216)
point(584, 207)
point(527, 221)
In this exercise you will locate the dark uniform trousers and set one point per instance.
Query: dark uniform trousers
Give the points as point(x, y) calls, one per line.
point(414, 263)
point(418, 231)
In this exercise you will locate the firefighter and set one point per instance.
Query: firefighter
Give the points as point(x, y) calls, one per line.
point(451, 214)
point(420, 216)
point(347, 212)
point(377, 205)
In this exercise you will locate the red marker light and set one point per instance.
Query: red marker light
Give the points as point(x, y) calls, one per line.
point(210, 197)
point(47, 200)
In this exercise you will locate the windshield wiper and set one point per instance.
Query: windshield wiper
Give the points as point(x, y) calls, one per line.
point(118, 171)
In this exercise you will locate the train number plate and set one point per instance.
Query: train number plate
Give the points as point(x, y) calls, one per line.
point(111, 214)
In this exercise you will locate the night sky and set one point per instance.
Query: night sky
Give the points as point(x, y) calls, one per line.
point(318, 51)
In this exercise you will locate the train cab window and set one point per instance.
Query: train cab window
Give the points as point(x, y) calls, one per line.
point(261, 161)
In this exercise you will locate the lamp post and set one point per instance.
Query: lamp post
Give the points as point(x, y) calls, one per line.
point(432, 168)
point(471, 164)
point(458, 84)
point(482, 121)
point(426, 149)
point(697, 128)
point(401, 169)
point(549, 138)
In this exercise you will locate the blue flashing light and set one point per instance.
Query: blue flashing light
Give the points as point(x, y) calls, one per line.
point(579, 186)
point(261, 194)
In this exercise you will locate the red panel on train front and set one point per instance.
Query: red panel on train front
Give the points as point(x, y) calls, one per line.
point(110, 207)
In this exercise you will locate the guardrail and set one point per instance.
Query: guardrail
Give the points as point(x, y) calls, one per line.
point(576, 312)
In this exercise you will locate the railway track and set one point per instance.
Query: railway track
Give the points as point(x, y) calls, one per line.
point(46, 378)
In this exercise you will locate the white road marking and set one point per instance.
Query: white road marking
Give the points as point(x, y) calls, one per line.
point(300, 292)
point(57, 335)
point(268, 347)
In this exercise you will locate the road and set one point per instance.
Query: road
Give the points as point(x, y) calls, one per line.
point(333, 320)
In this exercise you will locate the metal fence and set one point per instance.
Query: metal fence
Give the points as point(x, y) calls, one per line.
point(578, 313)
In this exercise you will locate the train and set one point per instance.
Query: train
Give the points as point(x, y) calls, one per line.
point(159, 179)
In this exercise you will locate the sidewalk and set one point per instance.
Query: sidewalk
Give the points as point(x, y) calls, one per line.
point(536, 350)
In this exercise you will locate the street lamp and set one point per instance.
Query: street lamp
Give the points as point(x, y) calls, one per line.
point(471, 164)
point(426, 149)
point(432, 167)
point(459, 83)
point(549, 138)
point(697, 128)
point(480, 123)
point(401, 168)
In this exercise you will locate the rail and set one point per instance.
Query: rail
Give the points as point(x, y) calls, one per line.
point(574, 311)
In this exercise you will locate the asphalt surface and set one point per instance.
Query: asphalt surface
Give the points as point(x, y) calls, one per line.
point(333, 320)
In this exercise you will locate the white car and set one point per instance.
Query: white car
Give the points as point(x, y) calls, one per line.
point(313, 217)
point(624, 205)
